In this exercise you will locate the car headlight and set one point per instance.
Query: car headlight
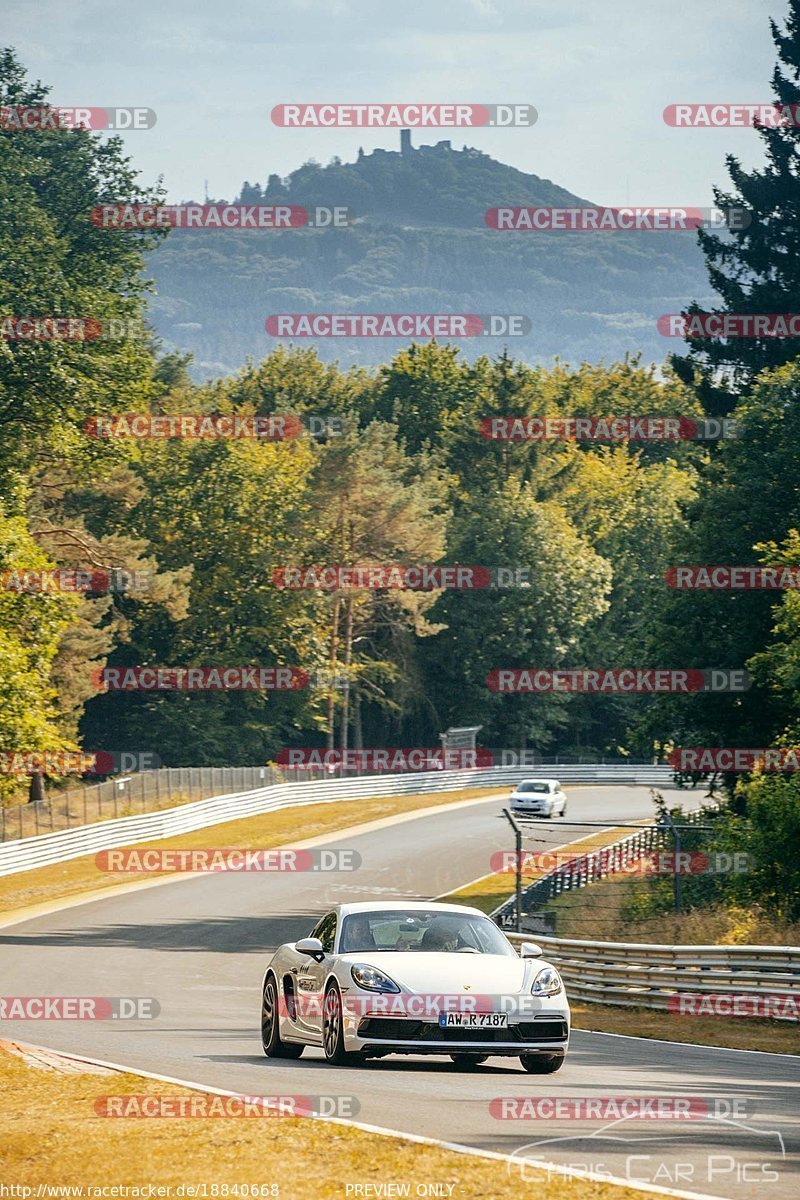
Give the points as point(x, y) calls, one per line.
point(371, 979)
point(547, 982)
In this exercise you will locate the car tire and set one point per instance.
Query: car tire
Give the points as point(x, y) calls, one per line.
point(333, 1031)
point(271, 1040)
point(542, 1064)
point(564, 809)
point(466, 1062)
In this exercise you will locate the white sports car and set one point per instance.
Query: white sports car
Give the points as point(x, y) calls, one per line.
point(398, 978)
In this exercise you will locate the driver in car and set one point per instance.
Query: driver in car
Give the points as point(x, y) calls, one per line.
point(359, 934)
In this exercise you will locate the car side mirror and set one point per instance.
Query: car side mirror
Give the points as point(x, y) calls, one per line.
point(529, 950)
point(311, 946)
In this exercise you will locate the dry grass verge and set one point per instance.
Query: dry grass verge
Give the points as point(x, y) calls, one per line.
point(734, 1033)
point(599, 912)
point(51, 1135)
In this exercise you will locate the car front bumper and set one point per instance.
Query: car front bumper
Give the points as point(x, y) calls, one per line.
point(545, 1033)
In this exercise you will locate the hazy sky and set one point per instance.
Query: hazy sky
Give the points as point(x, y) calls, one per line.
point(599, 73)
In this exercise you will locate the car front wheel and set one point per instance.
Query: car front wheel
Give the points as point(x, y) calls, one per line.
point(274, 1046)
point(542, 1064)
point(333, 1031)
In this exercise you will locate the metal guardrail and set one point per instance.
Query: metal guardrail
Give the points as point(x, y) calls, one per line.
point(639, 975)
point(126, 795)
point(587, 867)
point(619, 973)
point(28, 853)
point(583, 869)
point(152, 790)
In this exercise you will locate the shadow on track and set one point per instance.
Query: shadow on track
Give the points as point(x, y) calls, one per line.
point(214, 935)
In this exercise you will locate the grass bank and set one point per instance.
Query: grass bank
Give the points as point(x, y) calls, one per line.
point(52, 1136)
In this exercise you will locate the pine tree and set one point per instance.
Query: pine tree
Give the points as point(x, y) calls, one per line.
point(755, 269)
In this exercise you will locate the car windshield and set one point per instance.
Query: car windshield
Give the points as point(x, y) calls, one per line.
point(417, 930)
point(533, 786)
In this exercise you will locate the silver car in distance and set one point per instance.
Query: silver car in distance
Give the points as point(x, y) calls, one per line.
point(539, 798)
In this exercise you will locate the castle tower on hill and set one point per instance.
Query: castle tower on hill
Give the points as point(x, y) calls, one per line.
point(410, 152)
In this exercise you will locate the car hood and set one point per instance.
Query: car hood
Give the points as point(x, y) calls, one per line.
point(431, 972)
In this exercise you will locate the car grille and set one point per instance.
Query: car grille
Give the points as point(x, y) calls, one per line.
point(404, 1029)
point(545, 1030)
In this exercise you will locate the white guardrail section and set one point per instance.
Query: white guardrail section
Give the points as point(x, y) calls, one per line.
point(647, 976)
point(25, 854)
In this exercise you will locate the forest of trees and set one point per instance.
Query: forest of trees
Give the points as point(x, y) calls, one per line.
point(402, 476)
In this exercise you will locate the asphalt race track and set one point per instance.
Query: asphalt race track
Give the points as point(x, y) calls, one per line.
point(199, 947)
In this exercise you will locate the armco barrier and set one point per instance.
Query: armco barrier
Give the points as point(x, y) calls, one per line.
point(582, 870)
point(27, 853)
point(588, 867)
point(646, 976)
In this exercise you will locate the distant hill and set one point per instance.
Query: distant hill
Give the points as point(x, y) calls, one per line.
point(420, 244)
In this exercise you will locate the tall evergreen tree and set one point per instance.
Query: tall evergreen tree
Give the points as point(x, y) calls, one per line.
point(755, 269)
